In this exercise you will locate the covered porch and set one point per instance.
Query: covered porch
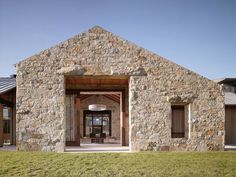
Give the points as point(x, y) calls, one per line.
point(96, 114)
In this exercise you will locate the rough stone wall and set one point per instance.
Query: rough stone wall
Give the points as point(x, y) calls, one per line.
point(150, 122)
point(155, 84)
point(40, 102)
point(111, 105)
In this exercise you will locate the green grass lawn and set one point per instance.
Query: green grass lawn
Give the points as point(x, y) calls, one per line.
point(118, 164)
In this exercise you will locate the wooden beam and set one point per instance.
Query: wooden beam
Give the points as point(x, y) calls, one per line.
point(112, 98)
point(83, 97)
point(103, 91)
point(96, 80)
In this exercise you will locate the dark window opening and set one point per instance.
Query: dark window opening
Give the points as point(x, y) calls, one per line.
point(6, 126)
point(6, 119)
point(97, 123)
point(177, 122)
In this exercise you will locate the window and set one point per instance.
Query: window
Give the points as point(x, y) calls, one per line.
point(177, 121)
point(97, 122)
point(6, 126)
point(6, 119)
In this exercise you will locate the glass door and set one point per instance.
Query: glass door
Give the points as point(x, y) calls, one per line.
point(97, 123)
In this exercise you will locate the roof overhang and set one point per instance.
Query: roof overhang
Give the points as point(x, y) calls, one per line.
point(229, 81)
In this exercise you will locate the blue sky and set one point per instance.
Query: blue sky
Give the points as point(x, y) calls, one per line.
point(197, 34)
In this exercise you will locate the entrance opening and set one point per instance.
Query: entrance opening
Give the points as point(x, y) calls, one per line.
point(96, 112)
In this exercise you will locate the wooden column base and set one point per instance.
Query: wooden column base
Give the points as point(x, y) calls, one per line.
point(72, 143)
point(123, 136)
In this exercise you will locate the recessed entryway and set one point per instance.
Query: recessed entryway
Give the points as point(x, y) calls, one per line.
point(97, 113)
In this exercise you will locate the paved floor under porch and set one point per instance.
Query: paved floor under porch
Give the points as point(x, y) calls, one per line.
point(97, 148)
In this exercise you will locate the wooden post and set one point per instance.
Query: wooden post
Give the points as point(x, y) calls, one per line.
point(122, 117)
point(76, 120)
point(78, 117)
point(13, 141)
point(1, 125)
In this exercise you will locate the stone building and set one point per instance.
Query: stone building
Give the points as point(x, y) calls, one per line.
point(150, 103)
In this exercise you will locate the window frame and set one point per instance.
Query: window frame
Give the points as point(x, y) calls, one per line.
point(85, 112)
point(7, 120)
point(183, 133)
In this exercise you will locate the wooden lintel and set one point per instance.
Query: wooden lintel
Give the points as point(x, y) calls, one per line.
point(77, 91)
point(72, 143)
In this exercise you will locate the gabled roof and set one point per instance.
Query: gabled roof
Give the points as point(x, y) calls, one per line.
point(7, 83)
point(98, 31)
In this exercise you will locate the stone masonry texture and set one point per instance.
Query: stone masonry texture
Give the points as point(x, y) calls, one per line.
point(155, 84)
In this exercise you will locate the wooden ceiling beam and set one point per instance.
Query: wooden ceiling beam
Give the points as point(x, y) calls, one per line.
point(95, 81)
point(111, 97)
point(83, 97)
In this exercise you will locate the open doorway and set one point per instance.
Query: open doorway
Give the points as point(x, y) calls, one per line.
point(97, 111)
